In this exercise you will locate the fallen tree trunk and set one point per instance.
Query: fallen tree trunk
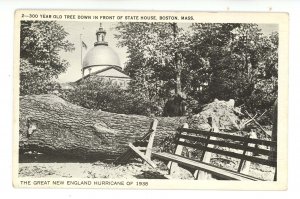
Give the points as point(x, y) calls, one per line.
point(50, 125)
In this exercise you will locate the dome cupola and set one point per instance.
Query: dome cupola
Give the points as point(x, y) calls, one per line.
point(101, 33)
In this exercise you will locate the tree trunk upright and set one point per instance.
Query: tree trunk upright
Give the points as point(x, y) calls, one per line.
point(178, 67)
point(178, 83)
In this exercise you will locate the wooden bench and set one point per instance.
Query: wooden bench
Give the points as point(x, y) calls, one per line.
point(141, 147)
point(243, 150)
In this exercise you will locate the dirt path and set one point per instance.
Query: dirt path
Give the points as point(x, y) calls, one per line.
point(98, 170)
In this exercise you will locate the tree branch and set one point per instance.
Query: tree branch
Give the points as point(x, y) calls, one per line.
point(266, 133)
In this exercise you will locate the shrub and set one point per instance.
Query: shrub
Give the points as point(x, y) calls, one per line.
point(105, 96)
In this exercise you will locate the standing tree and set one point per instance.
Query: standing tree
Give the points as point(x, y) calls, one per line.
point(210, 42)
point(40, 44)
point(158, 55)
point(242, 63)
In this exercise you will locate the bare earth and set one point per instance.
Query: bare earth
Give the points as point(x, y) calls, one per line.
point(99, 170)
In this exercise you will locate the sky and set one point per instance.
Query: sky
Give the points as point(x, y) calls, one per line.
point(88, 32)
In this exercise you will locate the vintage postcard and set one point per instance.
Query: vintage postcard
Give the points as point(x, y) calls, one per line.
point(150, 100)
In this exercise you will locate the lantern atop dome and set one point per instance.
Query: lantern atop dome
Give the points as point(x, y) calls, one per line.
point(101, 33)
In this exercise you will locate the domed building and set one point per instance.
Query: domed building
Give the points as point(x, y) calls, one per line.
point(104, 62)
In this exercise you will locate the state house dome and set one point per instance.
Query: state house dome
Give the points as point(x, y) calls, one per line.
point(101, 55)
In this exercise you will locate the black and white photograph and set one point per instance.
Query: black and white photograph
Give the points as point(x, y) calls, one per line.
point(128, 100)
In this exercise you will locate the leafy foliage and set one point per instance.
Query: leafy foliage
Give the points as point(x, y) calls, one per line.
point(156, 53)
point(96, 93)
point(205, 61)
point(40, 44)
point(243, 63)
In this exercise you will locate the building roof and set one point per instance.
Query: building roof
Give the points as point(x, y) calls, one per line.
point(103, 73)
point(118, 72)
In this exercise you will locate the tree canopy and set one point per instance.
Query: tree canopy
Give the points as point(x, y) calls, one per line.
point(40, 44)
point(204, 61)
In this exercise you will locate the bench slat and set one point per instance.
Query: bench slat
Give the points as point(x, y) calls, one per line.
point(232, 137)
point(231, 154)
point(229, 145)
point(220, 172)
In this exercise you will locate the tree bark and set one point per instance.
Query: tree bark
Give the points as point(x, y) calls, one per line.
point(178, 83)
point(50, 125)
point(177, 64)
